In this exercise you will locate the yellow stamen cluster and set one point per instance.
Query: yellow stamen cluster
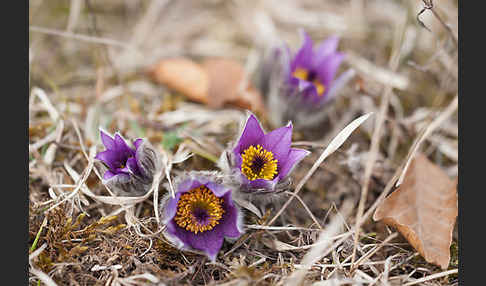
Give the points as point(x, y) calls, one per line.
point(200, 198)
point(258, 163)
point(319, 86)
point(304, 75)
point(301, 73)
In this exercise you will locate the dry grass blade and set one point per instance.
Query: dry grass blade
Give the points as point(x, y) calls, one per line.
point(431, 277)
point(281, 246)
point(43, 277)
point(448, 111)
point(74, 12)
point(39, 93)
point(51, 150)
point(37, 251)
point(249, 206)
point(384, 76)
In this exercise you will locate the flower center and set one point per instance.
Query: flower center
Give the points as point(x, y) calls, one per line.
point(310, 76)
point(199, 210)
point(258, 163)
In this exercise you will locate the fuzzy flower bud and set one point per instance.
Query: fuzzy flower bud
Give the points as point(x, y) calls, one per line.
point(130, 171)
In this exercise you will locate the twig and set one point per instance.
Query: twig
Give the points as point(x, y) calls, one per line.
point(429, 5)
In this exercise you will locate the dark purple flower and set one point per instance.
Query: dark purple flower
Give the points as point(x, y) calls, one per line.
point(130, 169)
point(312, 70)
point(263, 160)
point(201, 215)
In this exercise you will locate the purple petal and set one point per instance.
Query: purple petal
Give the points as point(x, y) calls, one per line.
point(295, 156)
point(327, 68)
point(218, 189)
point(110, 158)
point(229, 223)
point(251, 134)
point(188, 185)
point(303, 58)
point(122, 146)
point(338, 83)
point(108, 174)
point(326, 48)
point(107, 140)
point(171, 208)
point(209, 242)
point(278, 142)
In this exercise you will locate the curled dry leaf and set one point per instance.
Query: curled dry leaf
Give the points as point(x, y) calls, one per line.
point(215, 82)
point(424, 210)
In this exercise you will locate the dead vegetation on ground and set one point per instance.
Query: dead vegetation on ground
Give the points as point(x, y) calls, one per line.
point(89, 65)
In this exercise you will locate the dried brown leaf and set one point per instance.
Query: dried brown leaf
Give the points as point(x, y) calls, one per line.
point(184, 76)
point(424, 210)
point(215, 82)
point(226, 78)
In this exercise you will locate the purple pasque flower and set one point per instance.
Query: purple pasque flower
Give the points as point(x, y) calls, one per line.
point(202, 214)
point(263, 160)
point(130, 170)
point(118, 156)
point(312, 70)
point(299, 87)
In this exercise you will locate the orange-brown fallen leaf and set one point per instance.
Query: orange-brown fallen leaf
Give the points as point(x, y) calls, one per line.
point(227, 85)
point(424, 210)
point(215, 82)
point(184, 76)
